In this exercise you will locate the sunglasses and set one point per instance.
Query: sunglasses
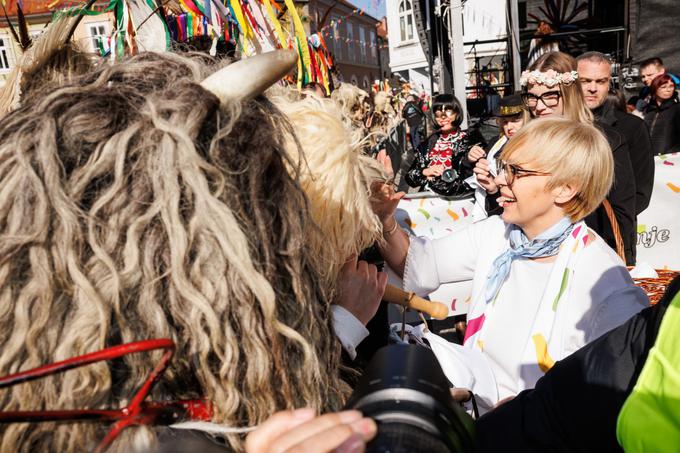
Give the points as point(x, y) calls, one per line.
point(549, 99)
point(512, 171)
point(439, 114)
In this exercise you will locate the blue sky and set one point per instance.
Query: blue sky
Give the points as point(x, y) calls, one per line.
point(375, 8)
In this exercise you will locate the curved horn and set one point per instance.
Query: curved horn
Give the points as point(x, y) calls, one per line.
point(247, 78)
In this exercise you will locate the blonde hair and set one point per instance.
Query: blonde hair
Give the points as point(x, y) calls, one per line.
point(575, 107)
point(573, 153)
point(135, 206)
point(336, 177)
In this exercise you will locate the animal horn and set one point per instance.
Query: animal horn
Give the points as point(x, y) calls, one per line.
point(250, 77)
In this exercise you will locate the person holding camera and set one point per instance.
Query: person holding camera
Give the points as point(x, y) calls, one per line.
point(440, 163)
point(544, 284)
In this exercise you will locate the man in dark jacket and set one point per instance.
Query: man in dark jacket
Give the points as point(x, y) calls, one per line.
point(594, 71)
point(414, 116)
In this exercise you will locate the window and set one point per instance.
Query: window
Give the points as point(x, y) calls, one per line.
point(5, 56)
point(99, 37)
point(362, 44)
point(372, 44)
point(405, 20)
point(337, 38)
point(350, 43)
point(366, 85)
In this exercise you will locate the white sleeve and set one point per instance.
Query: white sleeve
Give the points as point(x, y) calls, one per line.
point(433, 262)
point(617, 308)
point(349, 330)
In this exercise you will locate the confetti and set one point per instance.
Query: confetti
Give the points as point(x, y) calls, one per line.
point(453, 215)
point(425, 213)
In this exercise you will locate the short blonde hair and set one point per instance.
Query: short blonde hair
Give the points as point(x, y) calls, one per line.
point(575, 107)
point(573, 153)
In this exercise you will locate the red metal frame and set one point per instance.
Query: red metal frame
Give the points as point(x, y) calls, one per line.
point(137, 412)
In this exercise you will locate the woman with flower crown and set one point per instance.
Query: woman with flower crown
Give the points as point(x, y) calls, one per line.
point(551, 88)
point(544, 284)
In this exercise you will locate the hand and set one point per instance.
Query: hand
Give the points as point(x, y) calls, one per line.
point(484, 177)
point(300, 431)
point(361, 288)
point(384, 200)
point(475, 153)
point(435, 170)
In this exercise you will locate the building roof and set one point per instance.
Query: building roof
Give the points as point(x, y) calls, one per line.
point(41, 7)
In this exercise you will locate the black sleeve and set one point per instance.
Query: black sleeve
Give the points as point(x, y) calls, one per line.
point(642, 160)
point(621, 197)
point(575, 406)
point(414, 176)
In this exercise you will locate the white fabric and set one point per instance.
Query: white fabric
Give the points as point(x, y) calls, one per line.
point(601, 296)
point(349, 330)
point(479, 209)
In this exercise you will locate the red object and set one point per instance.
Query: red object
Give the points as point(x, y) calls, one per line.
point(137, 412)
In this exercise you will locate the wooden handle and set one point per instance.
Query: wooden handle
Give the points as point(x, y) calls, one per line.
point(397, 296)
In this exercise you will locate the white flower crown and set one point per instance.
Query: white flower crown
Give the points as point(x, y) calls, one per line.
point(549, 78)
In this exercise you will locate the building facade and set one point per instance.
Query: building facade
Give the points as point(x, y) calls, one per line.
point(353, 39)
point(91, 34)
point(407, 59)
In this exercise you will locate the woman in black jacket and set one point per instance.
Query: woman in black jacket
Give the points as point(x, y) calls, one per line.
point(663, 116)
point(440, 163)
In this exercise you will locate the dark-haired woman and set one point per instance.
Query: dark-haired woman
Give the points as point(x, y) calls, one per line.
point(440, 163)
point(663, 116)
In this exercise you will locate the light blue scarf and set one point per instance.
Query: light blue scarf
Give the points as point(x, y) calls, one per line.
point(545, 244)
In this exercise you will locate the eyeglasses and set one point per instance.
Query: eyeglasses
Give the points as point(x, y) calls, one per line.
point(549, 99)
point(440, 113)
point(512, 171)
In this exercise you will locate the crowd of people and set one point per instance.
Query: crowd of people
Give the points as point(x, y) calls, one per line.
point(178, 196)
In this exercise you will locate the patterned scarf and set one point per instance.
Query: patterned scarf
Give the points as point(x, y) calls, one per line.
point(545, 244)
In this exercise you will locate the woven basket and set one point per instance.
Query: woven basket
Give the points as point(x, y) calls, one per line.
point(654, 287)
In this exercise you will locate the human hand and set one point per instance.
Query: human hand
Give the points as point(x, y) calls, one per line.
point(435, 170)
point(361, 288)
point(475, 153)
point(384, 200)
point(300, 431)
point(484, 177)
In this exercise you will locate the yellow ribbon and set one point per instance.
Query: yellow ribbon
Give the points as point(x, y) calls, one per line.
point(236, 7)
point(275, 23)
point(301, 36)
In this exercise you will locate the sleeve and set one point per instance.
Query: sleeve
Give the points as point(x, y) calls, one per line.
point(414, 176)
point(349, 330)
point(617, 308)
point(622, 198)
point(642, 159)
point(433, 262)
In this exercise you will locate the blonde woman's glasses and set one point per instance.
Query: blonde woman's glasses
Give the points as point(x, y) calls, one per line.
point(512, 171)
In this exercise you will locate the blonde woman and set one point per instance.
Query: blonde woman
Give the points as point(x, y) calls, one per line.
point(544, 284)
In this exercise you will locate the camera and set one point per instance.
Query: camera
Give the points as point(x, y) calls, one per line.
point(407, 394)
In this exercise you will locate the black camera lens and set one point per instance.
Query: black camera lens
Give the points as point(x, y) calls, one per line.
point(405, 391)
